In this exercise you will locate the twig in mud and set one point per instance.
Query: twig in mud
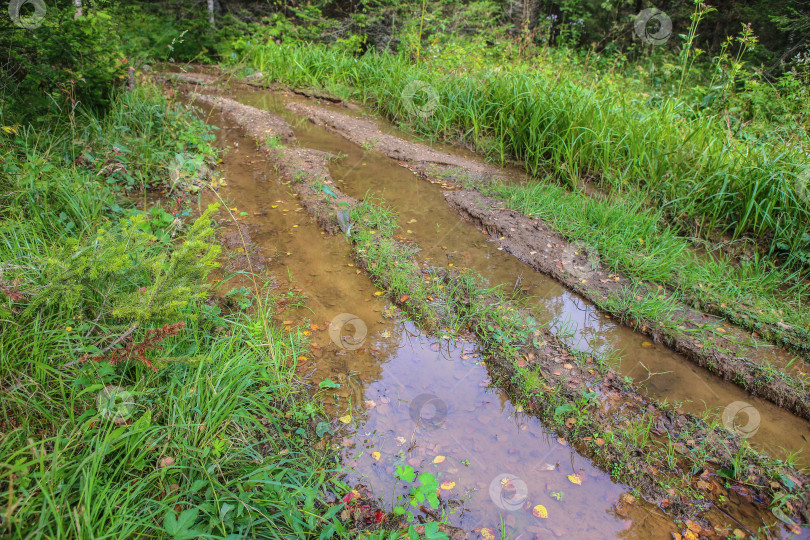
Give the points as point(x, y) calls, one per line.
point(651, 374)
point(741, 524)
point(518, 284)
point(413, 444)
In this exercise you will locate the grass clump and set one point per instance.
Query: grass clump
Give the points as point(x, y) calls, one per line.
point(752, 292)
point(133, 402)
point(682, 162)
point(391, 262)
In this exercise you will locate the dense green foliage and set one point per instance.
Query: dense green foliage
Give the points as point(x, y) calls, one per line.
point(702, 139)
point(207, 433)
point(678, 158)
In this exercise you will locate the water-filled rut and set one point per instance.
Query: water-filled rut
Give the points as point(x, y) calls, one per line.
point(400, 377)
point(413, 398)
point(447, 241)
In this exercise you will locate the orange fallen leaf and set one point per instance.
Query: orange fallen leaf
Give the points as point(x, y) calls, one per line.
point(404, 297)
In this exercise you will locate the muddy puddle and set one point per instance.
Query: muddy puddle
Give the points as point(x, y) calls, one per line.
point(445, 240)
point(407, 398)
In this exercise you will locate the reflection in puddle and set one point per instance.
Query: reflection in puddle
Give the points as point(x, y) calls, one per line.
point(445, 240)
point(409, 399)
point(433, 409)
point(469, 434)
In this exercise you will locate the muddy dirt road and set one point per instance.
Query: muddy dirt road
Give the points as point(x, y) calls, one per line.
point(405, 397)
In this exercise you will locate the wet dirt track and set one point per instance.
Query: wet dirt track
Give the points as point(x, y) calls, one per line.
point(457, 417)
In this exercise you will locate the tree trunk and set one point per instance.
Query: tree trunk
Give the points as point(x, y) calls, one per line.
point(211, 12)
point(79, 13)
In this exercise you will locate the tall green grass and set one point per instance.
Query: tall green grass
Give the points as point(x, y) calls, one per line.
point(681, 162)
point(634, 239)
point(219, 439)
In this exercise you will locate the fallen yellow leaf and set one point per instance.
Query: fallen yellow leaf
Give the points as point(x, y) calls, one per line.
point(575, 479)
point(348, 418)
point(540, 511)
point(448, 485)
point(438, 459)
point(376, 455)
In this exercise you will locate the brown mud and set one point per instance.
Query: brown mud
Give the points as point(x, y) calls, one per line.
point(480, 435)
point(662, 374)
point(420, 158)
point(726, 353)
point(722, 348)
point(308, 173)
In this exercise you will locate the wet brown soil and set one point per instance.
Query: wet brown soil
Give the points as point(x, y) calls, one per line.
point(294, 167)
point(727, 348)
point(412, 397)
point(420, 158)
point(729, 354)
point(426, 218)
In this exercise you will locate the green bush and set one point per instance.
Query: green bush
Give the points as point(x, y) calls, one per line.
point(63, 64)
